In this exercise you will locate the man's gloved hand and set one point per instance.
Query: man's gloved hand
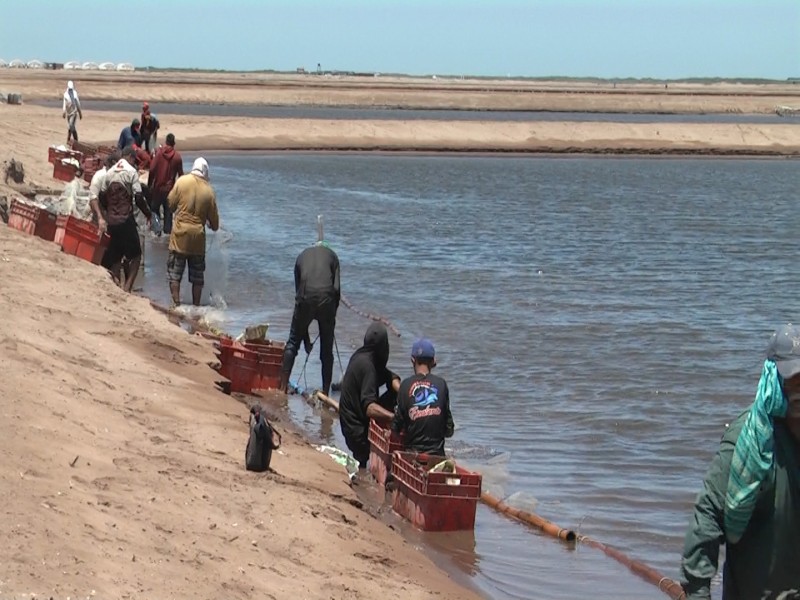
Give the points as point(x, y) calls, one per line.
point(307, 345)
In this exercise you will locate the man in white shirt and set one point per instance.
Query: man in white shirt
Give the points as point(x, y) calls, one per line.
point(70, 110)
point(119, 191)
point(96, 185)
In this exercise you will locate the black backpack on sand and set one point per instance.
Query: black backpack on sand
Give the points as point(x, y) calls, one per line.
point(258, 453)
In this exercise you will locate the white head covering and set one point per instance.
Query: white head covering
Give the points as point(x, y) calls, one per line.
point(70, 85)
point(200, 168)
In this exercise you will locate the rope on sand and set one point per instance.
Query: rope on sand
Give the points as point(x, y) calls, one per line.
point(371, 316)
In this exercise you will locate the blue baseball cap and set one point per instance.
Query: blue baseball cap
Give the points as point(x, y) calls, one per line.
point(423, 348)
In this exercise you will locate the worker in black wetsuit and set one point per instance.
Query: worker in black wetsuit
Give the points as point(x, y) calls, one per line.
point(317, 294)
point(360, 400)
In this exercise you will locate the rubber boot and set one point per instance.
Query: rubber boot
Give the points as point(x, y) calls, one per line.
point(283, 386)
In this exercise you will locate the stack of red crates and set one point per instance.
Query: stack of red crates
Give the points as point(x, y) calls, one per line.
point(80, 238)
point(435, 501)
point(32, 220)
point(64, 168)
point(54, 154)
point(91, 165)
point(382, 445)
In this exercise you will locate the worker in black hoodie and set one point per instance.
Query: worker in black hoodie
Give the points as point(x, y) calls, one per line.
point(360, 400)
point(317, 294)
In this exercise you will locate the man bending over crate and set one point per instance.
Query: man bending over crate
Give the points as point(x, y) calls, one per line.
point(119, 190)
point(360, 398)
point(423, 404)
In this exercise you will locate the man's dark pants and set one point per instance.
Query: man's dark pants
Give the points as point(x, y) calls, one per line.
point(360, 449)
point(321, 309)
point(159, 199)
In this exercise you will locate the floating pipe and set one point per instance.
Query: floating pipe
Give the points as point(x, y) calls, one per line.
point(544, 525)
point(670, 587)
point(328, 401)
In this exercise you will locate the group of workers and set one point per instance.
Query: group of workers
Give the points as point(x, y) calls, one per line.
point(142, 135)
point(185, 204)
point(750, 501)
point(417, 408)
point(116, 188)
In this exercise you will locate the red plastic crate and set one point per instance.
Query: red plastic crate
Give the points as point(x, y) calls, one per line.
point(266, 347)
point(267, 354)
point(92, 162)
point(81, 238)
point(240, 365)
point(269, 372)
point(91, 165)
point(64, 171)
point(83, 147)
point(382, 444)
point(242, 370)
point(54, 154)
point(32, 220)
point(434, 501)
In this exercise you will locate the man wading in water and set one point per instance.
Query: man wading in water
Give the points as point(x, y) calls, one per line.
point(194, 204)
point(317, 294)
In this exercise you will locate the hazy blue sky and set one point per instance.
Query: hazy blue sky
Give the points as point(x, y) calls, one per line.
point(603, 38)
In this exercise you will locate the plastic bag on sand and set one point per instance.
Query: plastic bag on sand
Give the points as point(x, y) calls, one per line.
point(343, 458)
point(155, 224)
point(217, 267)
point(74, 201)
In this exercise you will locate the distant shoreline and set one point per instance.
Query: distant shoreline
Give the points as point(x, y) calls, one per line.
point(27, 130)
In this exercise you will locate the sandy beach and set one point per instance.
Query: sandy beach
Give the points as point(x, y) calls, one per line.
point(122, 465)
point(122, 471)
point(27, 130)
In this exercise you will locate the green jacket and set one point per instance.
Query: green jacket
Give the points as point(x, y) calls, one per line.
point(765, 563)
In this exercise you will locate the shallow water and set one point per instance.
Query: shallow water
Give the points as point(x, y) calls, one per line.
point(360, 113)
point(598, 322)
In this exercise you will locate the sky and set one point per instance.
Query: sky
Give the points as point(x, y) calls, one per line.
point(660, 39)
